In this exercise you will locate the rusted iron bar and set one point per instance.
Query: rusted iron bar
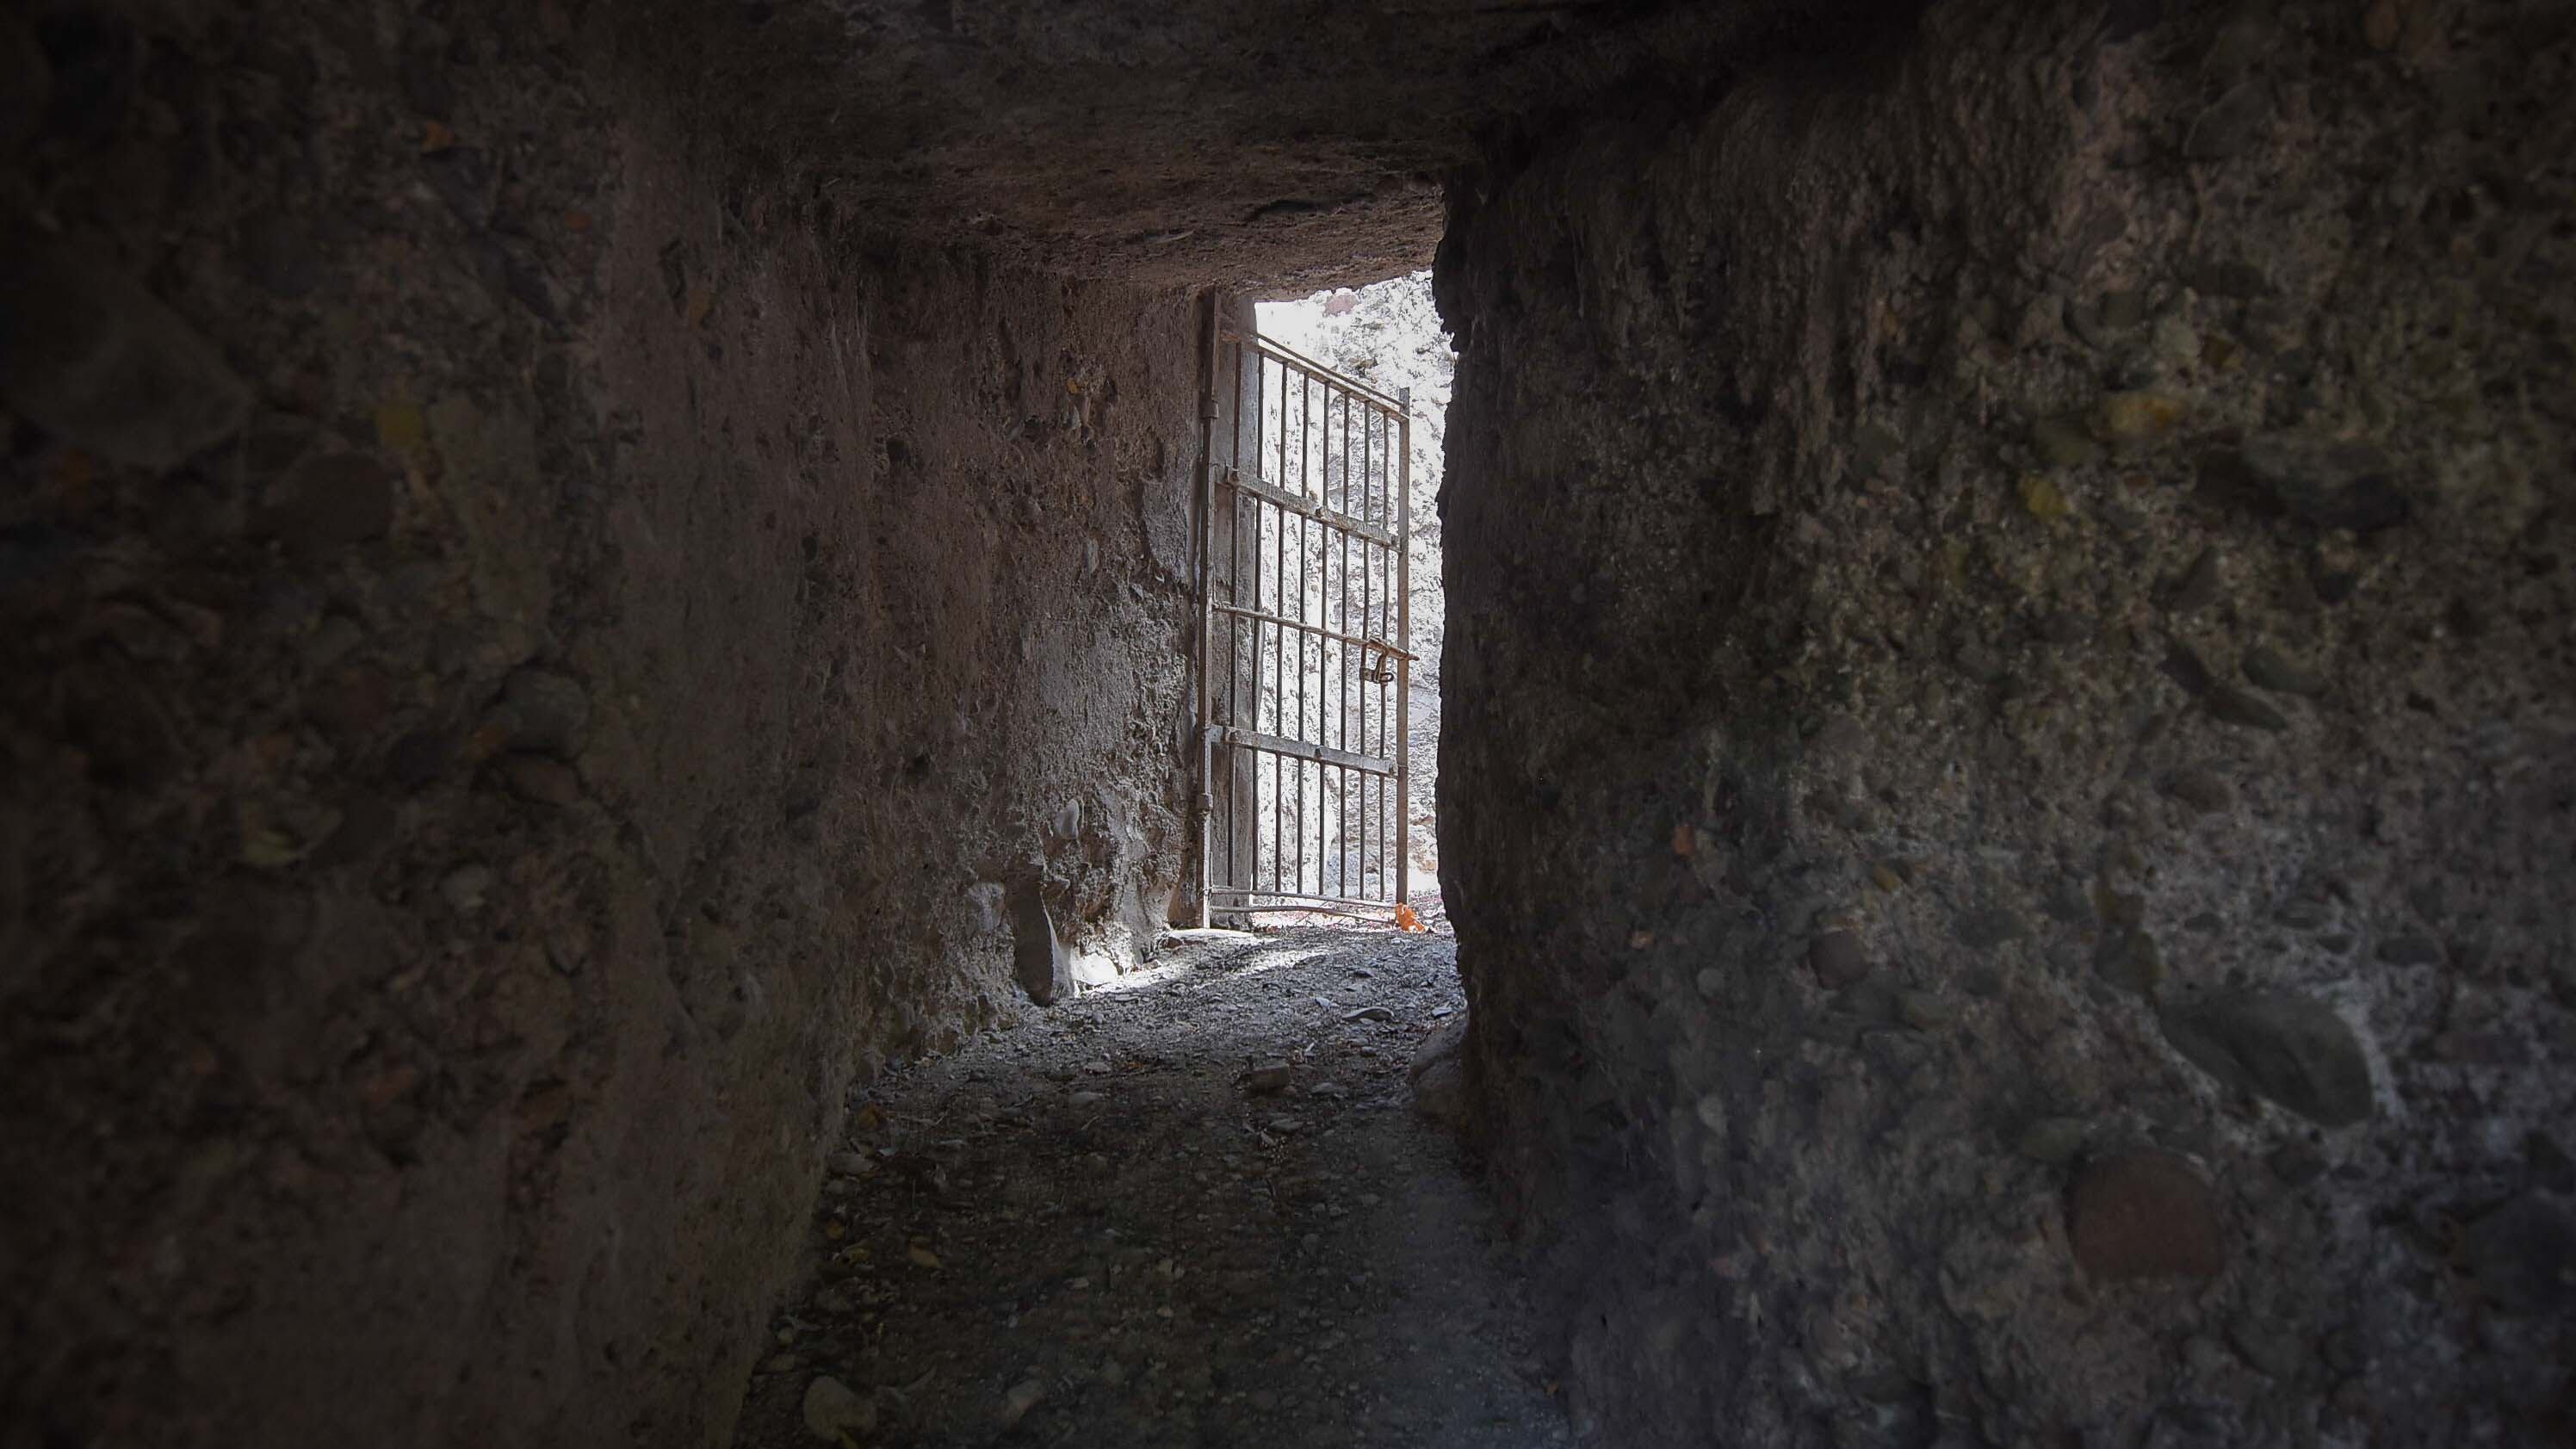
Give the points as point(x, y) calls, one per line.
point(1289, 502)
point(1404, 665)
point(1301, 750)
point(1361, 640)
point(1287, 356)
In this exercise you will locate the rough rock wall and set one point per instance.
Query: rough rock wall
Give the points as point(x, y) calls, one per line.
point(533, 663)
point(2010, 766)
point(1176, 143)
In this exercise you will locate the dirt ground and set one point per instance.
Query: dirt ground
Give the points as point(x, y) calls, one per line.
point(1106, 1226)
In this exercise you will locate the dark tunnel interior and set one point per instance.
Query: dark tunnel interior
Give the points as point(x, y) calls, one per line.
point(606, 783)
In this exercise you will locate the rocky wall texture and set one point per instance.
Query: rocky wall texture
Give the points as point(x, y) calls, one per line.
point(2009, 761)
point(534, 665)
point(1191, 141)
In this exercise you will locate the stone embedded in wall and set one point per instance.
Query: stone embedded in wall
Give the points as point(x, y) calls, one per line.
point(1838, 958)
point(332, 501)
point(2144, 1214)
point(541, 711)
point(87, 353)
point(2296, 1051)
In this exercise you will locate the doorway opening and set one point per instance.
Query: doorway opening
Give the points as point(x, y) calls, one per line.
point(1320, 708)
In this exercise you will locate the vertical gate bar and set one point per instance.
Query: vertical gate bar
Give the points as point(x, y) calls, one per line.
point(1207, 605)
point(1404, 641)
point(1294, 820)
point(1234, 624)
point(1304, 672)
point(1369, 444)
point(1294, 823)
point(1305, 405)
point(1369, 630)
point(1279, 598)
point(1369, 859)
point(1386, 615)
point(1323, 619)
point(1327, 661)
point(1366, 630)
point(1260, 521)
point(1260, 643)
point(1342, 711)
point(1338, 659)
point(1310, 543)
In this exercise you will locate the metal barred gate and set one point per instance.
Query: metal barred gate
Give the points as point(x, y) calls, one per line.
point(1303, 627)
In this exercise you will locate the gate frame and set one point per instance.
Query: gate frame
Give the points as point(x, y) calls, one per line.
point(1215, 341)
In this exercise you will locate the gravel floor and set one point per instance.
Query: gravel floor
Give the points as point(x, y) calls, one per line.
point(1098, 1228)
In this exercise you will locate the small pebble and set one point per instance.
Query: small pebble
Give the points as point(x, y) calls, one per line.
point(2200, 788)
point(2128, 416)
point(544, 711)
point(2269, 669)
point(1837, 959)
point(832, 1408)
point(466, 887)
point(2410, 951)
point(2198, 586)
point(1024, 1396)
point(2063, 444)
point(2234, 706)
point(1985, 929)
point(2268, 1346)
point(540, 780)
point(2041, 498)
point(2176, 344)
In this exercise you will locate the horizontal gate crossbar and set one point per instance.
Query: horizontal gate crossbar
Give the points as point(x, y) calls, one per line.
point(1308, 507)
point(1260, 617)
point(1299, 749)
point(1251, 900)
point(1289, 357)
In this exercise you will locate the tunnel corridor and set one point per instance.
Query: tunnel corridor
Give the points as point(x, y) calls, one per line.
point(601, 824)
point(1202, 1207)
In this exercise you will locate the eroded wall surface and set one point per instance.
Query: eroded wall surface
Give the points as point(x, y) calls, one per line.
point(1291, 147)
point(534, 661)
point(2009, 762)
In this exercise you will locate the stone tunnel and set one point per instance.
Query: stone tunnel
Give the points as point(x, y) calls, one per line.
point(576, 573)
